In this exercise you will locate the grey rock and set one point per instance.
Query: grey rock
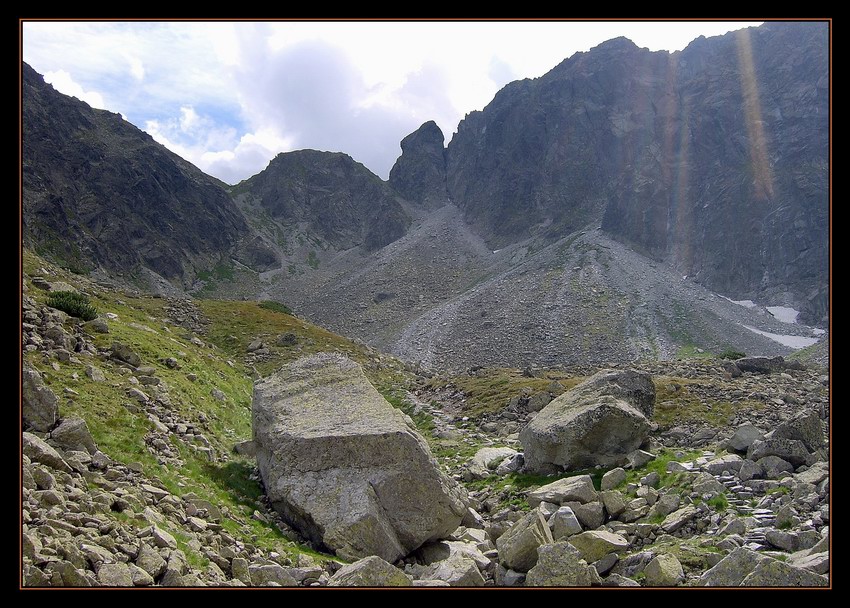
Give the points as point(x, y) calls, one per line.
point(150, 561)
point(664, 571)
point(732, 569)
point(638, 458)
point(564, 523)
point(161, 538)
point(603, 566)
point(648, 493)
point(614, 502)
point(774, 467)
point(613, 478)
point(652, 479)
point(124, 353)
point(239, 567)
point(246, 448)
point(97, 326)
point(518, 546)
point(787, 541)
point(344, 467)
point(616, 580)
point(743, 438)
point(596, 544)
point(172, 578)
point(73, 434)
point(263, 575)
point(444, 550)
point(728, 462)
point(804, 426)
point(814, 474)
point(677, 519)
point(561, 565)
point(579, 489)
point(511, 464)
point(39, 451)
point(486, 460)
point(817, 563)
point(590, 515)
point(790, 450)
point(703, 484)
point(39, 406)
point(750, 470)
point(114, 575)
point(761, 365)
point(457, 570)
point(736, 526)
point(139, 576)
point(774, 573)
point(369, 572)
point(95, 374)
point(596, 423)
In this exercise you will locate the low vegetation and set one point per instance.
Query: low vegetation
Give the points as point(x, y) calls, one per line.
point(73, 303)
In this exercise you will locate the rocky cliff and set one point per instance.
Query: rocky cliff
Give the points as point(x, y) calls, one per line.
point(713, 158)
point(336, 198)
point(98, 192)
point(419, 174)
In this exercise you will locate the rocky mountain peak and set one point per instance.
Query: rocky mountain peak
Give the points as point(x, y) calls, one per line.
point(419, 174)
point(341, 201)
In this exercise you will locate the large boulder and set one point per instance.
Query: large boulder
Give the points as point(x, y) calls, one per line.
point(598, 422)
point(369, 572)
point(596, 544)
point(344, 467)
point(518, 546)
point(805, 427)
point(761, 365)
point(747, 568)
point(561, 565)
point(39, 406)
point(579, 488)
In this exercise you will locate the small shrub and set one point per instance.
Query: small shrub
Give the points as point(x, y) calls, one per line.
point(732, 354)
point(276, 307)
point(73, 303)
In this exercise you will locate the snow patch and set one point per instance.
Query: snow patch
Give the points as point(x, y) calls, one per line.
point(818, 332)
point(786, 314)
point(795, 342)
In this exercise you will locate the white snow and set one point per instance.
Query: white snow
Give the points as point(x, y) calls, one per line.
point(795, 342)
point(817, 331)
point(786, 314)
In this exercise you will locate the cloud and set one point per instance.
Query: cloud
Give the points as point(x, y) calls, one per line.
point(62, 82)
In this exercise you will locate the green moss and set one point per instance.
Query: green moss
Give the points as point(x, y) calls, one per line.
point(312, 260)
point(276, 307)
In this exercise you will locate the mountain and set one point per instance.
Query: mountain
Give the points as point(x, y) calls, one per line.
point(334, 197)
point(713, 159)
point(100, 193)
point(610, 210)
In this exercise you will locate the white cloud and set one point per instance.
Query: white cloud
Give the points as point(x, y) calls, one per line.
point(239, 93)
point(62, 82)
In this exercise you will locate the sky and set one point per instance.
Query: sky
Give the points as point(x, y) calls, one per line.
point(228, 97)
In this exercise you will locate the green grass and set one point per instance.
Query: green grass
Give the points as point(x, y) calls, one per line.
point(312, 260)
point(74, 303)
point(677, 481)
point(719, 503)
point(120, 431)
point(675, 404)
point(491, 389)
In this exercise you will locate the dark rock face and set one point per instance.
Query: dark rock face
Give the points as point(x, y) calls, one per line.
point(419, 174)
point(338, 198)
point(97, 191)
point(713, 158)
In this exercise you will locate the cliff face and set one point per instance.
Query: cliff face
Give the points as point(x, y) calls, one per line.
point(339, 199)
point(713, 158)
point(98, 192)
point(419, 174)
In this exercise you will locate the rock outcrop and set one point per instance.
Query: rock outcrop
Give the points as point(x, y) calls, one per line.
point(419, 174)
point(346, 468)
point(598, 422)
